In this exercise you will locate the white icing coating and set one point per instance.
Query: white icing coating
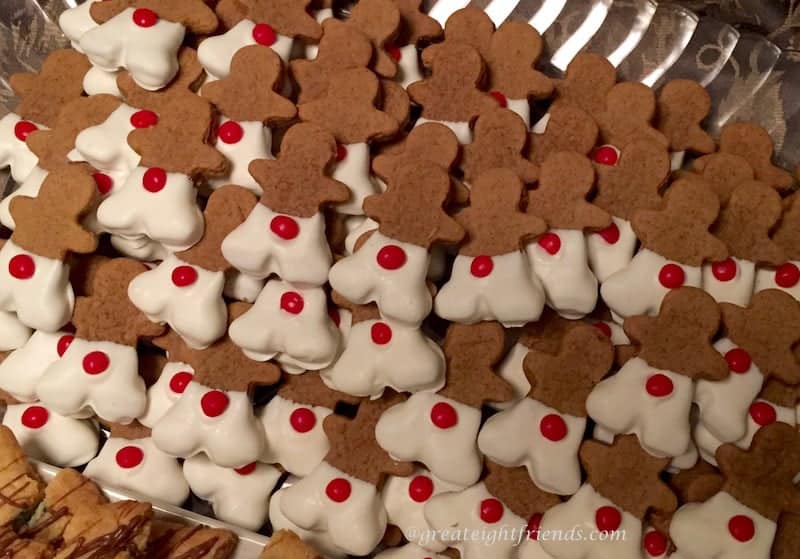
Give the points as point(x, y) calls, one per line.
point(14, 153)
point(510, 294)
point(239, 497)
point(232, 439)
point(357, 225)
point(105, 146)
point(29, 187)
point(522, 107)
point(458, 516)
point(355, 525)
point(607, 259)
point(254, 249)
point(622, 404)
point(511, 371)
point(140, 248)
point(169, 216)
point(161, 396)
point(569, 284)
point(635, 289)
point(115, 394)
point(215, 53)
point(150, 54)
point(43, 301)
point(765, 279)
point(407, 433)
point(158, 476)
point(408, 70)
point(737, 290)
point(460, 129)
point(354, 171)
point(298, 453)
point(400, 294)
point(197, 312)
point(408, 551)
point(700, 530)
point(406, 512)
point(242, 287)
point(319, 540)
point(308, 339)
point(98, 81)
point(13, 333)
point(579, 514)
point(23, 368)
point(541, 125)
point(676, 160)
point(75, 22)
point(513, 438)
point(723, 404)
point(61, 441)
point(409, 362)
point(256, 143)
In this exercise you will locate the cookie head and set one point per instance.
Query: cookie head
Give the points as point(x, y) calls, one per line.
point(415, 25)
point(682, 107)
point(470, 26)
point(514, 50)
point(724, 172)
point(378, 20)
point(569, 128)
point(754, 144)
point(628, 115)
point(514, 488)
point(589, 77)
point(430, 141)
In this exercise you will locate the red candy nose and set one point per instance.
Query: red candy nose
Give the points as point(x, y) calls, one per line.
point(144, 119)
point(671, 276)
point(607, 519)
point(129, 457)
point(341, 152)
point(606, 155)
point(264, 35)
point(742, 528)
point(550, 242)
point(659, 385)
point(655, 543)
point(443, 415)
point(154, 180)
point(23, 128)
point(420, 489)
point(284, 227)
point(230, 133)
point(302, 420)
point(391, 257)
point(35, 417)
point(481, 266)
point(763, 413)
point(739, 360)
point(394, 52)
point(533, 526)
point(610, 234)
point(787, 276)
point(214, 403)
point(246, 470)
point(491, 511)
point(184, 276)
point(180, 381)
point(381, 333)
point(292, 302)
point(104, 183)
point(63, 344)
point(725, 270)
point(338, 490)
point(145, 18)
point(21, 267)
point(604, 328)
point(553, 427)
point(500, 98)
point(95, 363)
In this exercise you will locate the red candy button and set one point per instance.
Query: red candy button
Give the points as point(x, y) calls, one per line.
point(420, 489)
point(21, 267)
point(655, 543)
point(246, 470)
point(725, 270)
point(333, 312)
point(610, 234)
point(341, 152)
point(763, 413)
point(214, 403)
point(95, 362)
point(604, 328)
point(491, 511)
point(264, 34)
point(63, 344)
point(500, 98)
point(606, 155)
point(533, 526)
point(550, 242)
point(739, 360)
point(338, 490)
point(553, 427)
point(302, 420)
point(129, 457)
point(742, 528)
point(659, 385)
point(184, 276)
point(145, 18)
point(394, 52)
point(154, 179)
point(671, 276)
point(230, 133)
point(443, 415)
point(35, 417)
point(180, 381)
point(103, 182)
point(284, 227)
point(292, 302)
point(381, 333)
point(144, 119)
point(787, 275)
point(481, 266)
point(607, 519)
point(391, 257)
point(23, 128)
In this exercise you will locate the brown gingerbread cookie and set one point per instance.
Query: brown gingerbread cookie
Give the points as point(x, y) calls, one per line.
point(308, 389)
point(762, 477)
point(723, 172)
point(679, 229)
point(561, 196)
point(587, 81)
point(415, 24)
point(298, 182)
point(746, 220)
point(394, 101)
point(49, 225)
point(230, 12)
point(348, 108)
point(630, 109)
point(195, 15)
point(290, 18)
point(628, 476)
point(787, 538)
point(494, 221)
point(471, 353)
point(768, 328)
point(418, 190)
point(379, 21)
point(470, 26)
point(226, 209)
point(682, 107)
point(568, 128)
point(514, 488)
point(354, 449)
point(780, 394)
point(687, 483)
point(132, 431)
point(107, 314)
point(787, 234)
point(545, 334)
point(679, 338)
point(42, 95)
point(513, 53)
point(250, 92)
point(451, 93)
point(586, 353)
point(499, 142)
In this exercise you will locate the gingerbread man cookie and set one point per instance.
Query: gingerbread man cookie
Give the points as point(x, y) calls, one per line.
point(379, 21)
point(682, 107)
point(785, 276)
